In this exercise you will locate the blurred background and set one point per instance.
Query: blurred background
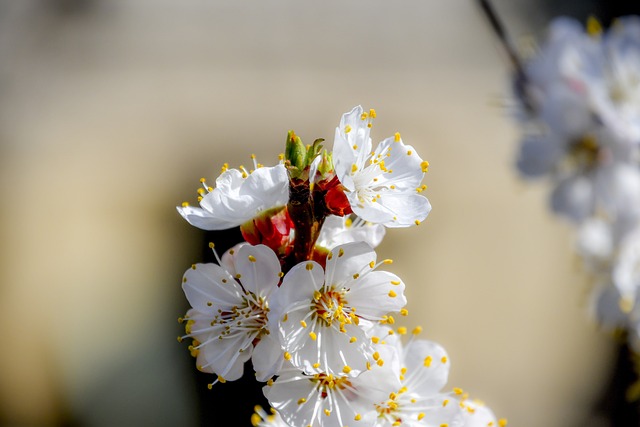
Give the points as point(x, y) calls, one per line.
point(111, 111)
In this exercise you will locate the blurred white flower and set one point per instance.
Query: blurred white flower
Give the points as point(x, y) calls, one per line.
point(382, 185)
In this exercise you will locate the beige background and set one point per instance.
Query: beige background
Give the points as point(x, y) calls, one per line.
point(110, 113)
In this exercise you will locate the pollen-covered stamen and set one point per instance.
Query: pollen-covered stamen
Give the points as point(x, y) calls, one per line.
point(329, 305)
point(249, 319)
point(327, 383)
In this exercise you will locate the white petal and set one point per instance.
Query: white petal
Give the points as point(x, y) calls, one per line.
point(224, 358)
point(203, 219)
point(375, 294)
point(347, 260)
point(297, 285)
point(209, 285)
point(422, 379)
point(259, 269)
point(267, 357)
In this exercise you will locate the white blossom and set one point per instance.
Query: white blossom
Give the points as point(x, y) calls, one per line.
point(383, 185)
point(230, 313)
point(238, 197)
point(322, 314)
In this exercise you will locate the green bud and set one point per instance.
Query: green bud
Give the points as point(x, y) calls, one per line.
point(326, 164)
point(295, 153)
point(313, 150)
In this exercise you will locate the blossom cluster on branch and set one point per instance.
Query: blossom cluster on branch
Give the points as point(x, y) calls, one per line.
point(305, 297)
point(580, 99)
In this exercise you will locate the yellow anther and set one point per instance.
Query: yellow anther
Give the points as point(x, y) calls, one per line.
point(404, 312)
point(396, 137)
point(210, 189)
point(285, 317)
point(372, 113)
point(303, 323)
point(457, 391)
point(417, 330)
point(309, 266)
point(313, 335)
point(354, 168)
point(364, 116)
point(353, 339)
point(375, 340)
point(209, 386)
point(427, 361)
point(255, 420)
point(444, 425)
point(355, 276)
point(387, 261)
point(270, 382)
point(281, 156)
point(340, 252)
point(395, 282)
point(417, 222)
point(346, 369)
point(380, 362)
point(185, 204)
point(355, 147)
point(252, 258)
point(327, 412)
point(594, 28)
point(368, 366)
point(287, 355)
point(199, 198)
point(391, 320)
point(444, 359)
point(445, 402)
point(222, 380)
point(502, 422)
point(358, 417)
point(372, 264)
point(347, 129)
point(202, 180)
point(193, 266)
point(424, 166)
point(317, 295)
point(409, 152)
point(420, 415)
point(301, 400)
point(402, 330)
point(316, 365)
point(376, 356)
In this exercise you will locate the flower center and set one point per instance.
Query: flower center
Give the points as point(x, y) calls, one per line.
point(329, 305)
point(327, 382)
point(249, 318)
point(585, 151)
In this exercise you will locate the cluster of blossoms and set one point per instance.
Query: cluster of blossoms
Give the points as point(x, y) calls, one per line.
point(580, 95)
point(304, 297)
